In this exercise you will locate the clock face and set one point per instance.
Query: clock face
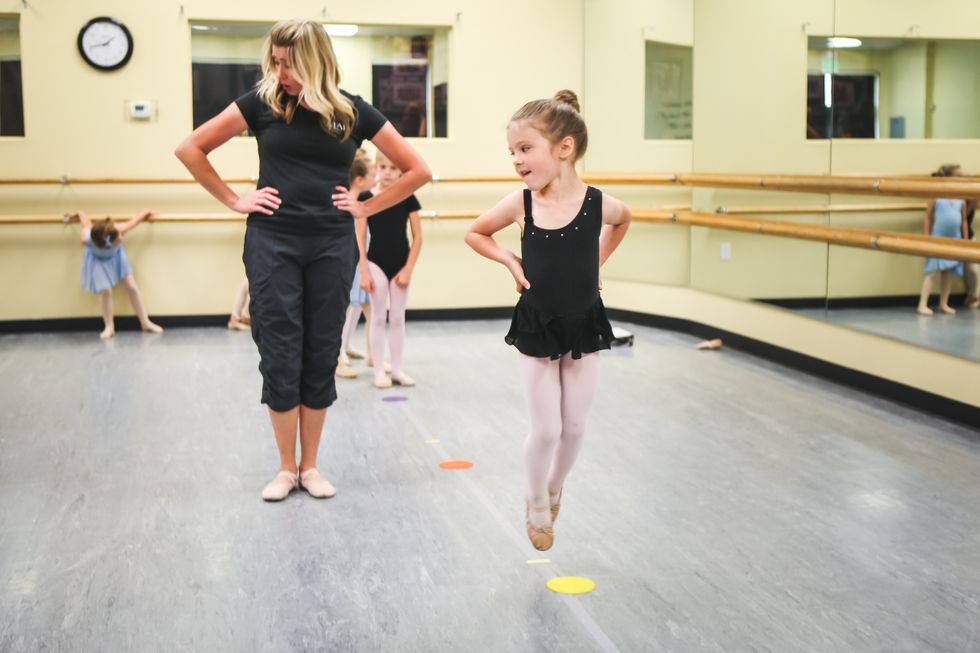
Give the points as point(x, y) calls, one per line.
point(105, 43)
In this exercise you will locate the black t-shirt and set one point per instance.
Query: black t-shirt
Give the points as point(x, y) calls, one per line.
point(305, 163)
point(389, 242)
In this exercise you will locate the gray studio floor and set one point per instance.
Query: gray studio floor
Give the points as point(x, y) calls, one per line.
point(721, 503)
point(958, 334)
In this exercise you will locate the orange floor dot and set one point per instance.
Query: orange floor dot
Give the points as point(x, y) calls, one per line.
point(455, 464)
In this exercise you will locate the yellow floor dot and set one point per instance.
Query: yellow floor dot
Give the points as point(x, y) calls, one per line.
point(571, 585)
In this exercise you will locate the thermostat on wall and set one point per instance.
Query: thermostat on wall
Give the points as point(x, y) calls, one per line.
point(141, 109)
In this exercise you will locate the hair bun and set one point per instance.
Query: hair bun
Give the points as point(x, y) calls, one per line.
point(565, 96)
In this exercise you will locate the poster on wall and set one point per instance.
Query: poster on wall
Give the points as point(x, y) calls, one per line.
point(400, 93)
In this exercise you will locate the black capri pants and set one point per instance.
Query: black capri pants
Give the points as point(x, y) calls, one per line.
point(300, 289)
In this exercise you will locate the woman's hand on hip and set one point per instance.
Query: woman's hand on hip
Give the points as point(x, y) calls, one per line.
point(345, 200)
point(264, 200)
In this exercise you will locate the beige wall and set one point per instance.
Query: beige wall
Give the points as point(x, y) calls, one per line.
point(750, 59)
point(95, 139)
point(907, 91)
point(956, 91)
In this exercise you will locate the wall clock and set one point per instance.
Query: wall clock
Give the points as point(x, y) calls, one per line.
point(105, 43)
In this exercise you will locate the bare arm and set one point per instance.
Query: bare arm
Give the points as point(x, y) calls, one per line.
point(415, 174)
point(360, 233)
point(193, 153)
point(927, 224)
point(85, 221)
point(131, 224)
point(479, 236)
point(616, 218)
point(404, 276)
point(964, 227)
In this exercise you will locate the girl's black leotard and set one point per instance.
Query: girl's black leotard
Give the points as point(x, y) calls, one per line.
point(561, 312)
point(389, 247)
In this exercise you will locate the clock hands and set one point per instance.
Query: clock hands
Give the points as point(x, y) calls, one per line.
point(106, 42)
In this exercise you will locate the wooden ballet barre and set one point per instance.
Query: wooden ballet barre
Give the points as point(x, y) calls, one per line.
point(929, 187)
point(66, 218)
point(926, 188)
point(888, 241)
point(819, 209)
point(65, 180)
point(234, 217)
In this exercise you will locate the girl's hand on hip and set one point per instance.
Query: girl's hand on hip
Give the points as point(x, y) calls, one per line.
point(264, 200)
point(345, 200)
point(367, 282)
point(515, 265)
point(403, 278)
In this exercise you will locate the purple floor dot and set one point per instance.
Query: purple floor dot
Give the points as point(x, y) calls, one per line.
point(394, 398)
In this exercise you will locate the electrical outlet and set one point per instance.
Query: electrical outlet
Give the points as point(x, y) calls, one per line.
point(726, 251)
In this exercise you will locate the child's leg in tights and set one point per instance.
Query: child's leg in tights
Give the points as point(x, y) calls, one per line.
point(579, 379)
point(137, 301)
point(379, 302)
point(542, 390)
point(559, 395)
point(353, 315)
point(105, 298)
point(398, 298)
point(239, 308)
point(945, 287)
point(367, 332)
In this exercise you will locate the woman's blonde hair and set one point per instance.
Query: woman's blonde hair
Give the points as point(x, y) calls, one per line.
point(313, 64)
point(557, 118)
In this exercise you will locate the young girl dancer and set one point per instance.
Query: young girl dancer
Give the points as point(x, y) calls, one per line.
point(362, 179)
point(389, 266)
point(945, 218)
point(104, 264)
point(568, 230)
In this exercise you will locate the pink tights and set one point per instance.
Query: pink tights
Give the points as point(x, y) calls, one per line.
point(387, 293)
point(559, 394)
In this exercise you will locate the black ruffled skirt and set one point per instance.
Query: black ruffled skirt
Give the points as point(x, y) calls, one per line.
point(538, 334)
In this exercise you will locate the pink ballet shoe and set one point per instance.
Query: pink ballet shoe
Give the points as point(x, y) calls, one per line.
point(556, 506)
point(400, 378)
point(356, 354)
point(316, 485)
point(541, 538)
point(346, 372)
point(279, 488)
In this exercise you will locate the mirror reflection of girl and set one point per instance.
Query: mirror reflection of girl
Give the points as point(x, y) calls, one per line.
point(945, 218)
point(105, 264)
point(972, 271)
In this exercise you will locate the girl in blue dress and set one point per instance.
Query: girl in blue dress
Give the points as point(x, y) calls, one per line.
point(945, 218)
point(105, 264)
point(362, 178)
